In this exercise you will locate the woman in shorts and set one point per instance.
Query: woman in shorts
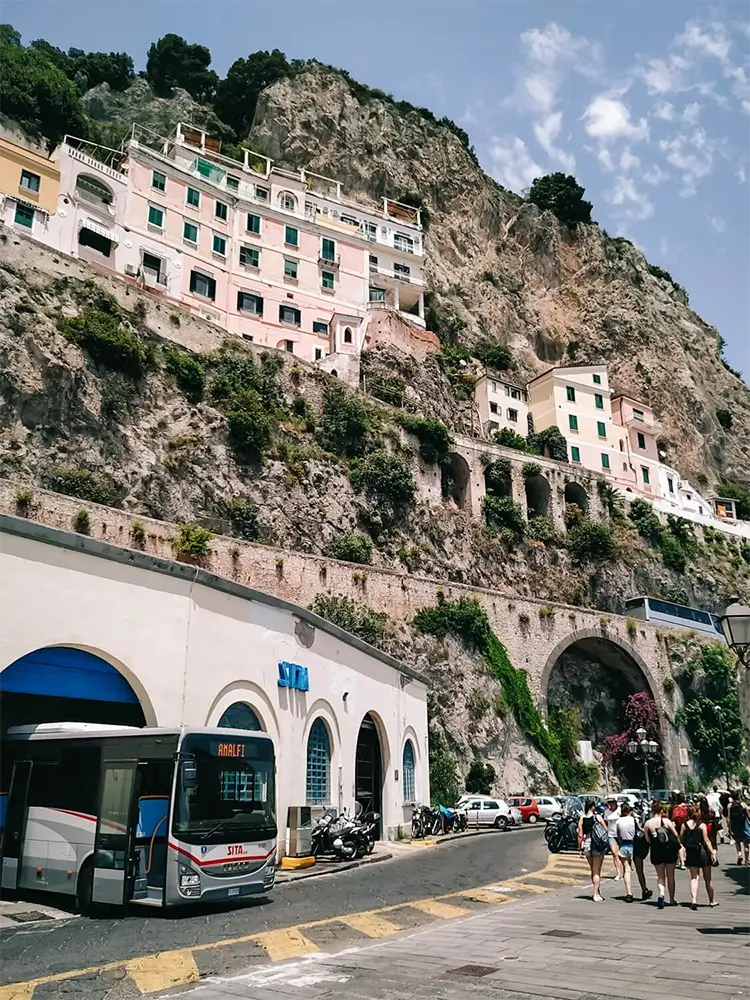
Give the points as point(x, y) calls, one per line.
point(593, 845)
point(665, 849)
point(625, 828)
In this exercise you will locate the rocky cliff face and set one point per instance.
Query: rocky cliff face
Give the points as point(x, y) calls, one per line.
point(504, 270)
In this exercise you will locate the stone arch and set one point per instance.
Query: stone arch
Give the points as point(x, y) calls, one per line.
point(93, 190)
point(455, 481)
point(498, 479)
point(537, 495)
point(251, 694)
point(612, 653)
point(371, 764)
point(576, 494)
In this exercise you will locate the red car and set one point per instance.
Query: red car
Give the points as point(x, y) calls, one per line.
point(528, 808)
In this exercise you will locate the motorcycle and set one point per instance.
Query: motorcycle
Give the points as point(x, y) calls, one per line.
point(338, 835)
point(423, 821)
point(369, 826)
point(562, 834)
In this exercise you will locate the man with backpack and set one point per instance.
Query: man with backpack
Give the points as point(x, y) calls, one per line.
point(739, 826)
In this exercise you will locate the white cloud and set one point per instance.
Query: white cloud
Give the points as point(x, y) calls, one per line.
point(693, 155)
point(716, 223)
point(635, 206)
point(609, 120)
point(664, 110)
point(709, 40)
point(741, 174)
point(546, 132)
point(654, 175)
point(628, 161)
point(691, 113)
point(512, 164)
point(664, 76)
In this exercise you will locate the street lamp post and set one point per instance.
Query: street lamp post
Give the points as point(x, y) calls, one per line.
point(643, 749)
point(735, 624)
point(720, 714)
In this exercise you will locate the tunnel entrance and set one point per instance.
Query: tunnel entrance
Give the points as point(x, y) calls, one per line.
point(576, 494)
point(66, 684)
point(537, 496)
point(454, 479)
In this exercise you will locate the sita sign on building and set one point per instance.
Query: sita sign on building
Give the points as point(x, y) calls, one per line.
point(292, 675)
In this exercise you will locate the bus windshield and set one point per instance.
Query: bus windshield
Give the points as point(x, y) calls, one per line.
point(231, 793)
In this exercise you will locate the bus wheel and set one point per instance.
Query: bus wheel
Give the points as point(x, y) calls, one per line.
point(85, 889)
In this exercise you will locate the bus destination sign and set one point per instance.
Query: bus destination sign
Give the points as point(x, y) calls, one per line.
point(230, 750)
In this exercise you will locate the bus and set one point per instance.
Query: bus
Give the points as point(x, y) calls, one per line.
point(113, 815)
point(650, 609)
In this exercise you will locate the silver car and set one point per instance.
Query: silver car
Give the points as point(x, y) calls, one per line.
point(548, 806)
point(485, 810)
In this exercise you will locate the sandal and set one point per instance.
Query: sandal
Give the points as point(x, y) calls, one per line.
point(713, 904)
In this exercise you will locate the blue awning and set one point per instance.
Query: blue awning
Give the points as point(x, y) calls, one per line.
point(64, 672)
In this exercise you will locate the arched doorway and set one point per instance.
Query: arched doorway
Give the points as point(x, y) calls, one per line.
point(318, 773)
point(368, 770)
point(537, 495)
point(240, 715)
point(66, 684)
point(576, 494)
point(454, 479)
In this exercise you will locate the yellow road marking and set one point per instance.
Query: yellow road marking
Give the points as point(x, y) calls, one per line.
point(371, 924)
point(159, 972)
point(488, 894)
point(287, 943)
point(443, 911)
point(552, 877)
point(527, 886)
point(18, 991)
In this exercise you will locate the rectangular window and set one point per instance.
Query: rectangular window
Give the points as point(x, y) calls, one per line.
point(289, 346)
point(290, 268)
point(193, 197)
point(599, 401)
point(220, 245)
point(249, 257)
point(670, 485)
point(290, 315)
point(24, 216)
point(402, 271)
point(507, 390)
point(570, 393)
point(291, 236)
point(601, 428)
point(189, 232)
point(156, 216)
point(597, 379)
point(158, 181)
point(493, 407)
point(575, 454)
point(220, 211)
point(261, 193)
point(328, 249)
point(638, 415)
point(377, 294)
point(513, 416)
point(641, 441)
point(373, 262)
point(515, 393)
point(320, 327)
point(327, 280)
point(605, 461)
point(233, 183)
point(405, 243)
point(203, 285)
point(248, 302)
point(30, 181)
point(318, 353)
point(646, 477)
point(572, 421)
point(253, 223)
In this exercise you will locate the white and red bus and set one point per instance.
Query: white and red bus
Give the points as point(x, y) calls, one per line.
point(114, 815)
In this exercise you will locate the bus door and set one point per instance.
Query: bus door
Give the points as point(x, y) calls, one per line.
point(115, 829)
point(15, 823)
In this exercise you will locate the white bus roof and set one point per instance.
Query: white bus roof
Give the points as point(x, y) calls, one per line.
point(46, 730)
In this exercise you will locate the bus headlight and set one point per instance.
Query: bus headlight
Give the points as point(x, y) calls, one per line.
point(188, 877)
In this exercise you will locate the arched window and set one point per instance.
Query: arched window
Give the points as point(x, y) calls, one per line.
point(240, 716)
point(93, 190)
point(318, 764)
point(287, 201)
point(348, 335)
point(407, 770)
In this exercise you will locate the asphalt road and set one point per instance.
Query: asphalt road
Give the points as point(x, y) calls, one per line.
point(81, 942)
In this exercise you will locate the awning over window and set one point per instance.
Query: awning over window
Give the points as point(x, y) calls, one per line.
point(106, 234)
point(28, 204)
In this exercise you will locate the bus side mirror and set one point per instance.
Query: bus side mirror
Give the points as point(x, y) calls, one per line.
point(188, 774)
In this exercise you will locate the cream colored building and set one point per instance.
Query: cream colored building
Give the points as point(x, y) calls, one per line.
point(578, 402)
point(29, 184)
point(501, 402)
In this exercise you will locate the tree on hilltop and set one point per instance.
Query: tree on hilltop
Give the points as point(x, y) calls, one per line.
point(237, 95)
point(172, 62)
point(562, 195)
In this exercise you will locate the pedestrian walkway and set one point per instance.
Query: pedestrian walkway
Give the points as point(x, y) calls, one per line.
point(554, 943)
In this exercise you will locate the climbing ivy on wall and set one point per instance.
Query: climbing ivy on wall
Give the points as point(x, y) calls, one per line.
point(468, 621)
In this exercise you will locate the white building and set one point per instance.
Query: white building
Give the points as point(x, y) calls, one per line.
point(94, 632)
point(502, 402)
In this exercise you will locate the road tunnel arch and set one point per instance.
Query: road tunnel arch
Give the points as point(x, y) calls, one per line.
point(537, 495)
point(576, 494)
point(455, 479)
point(595, 673)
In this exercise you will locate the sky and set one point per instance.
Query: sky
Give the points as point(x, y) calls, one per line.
point(646, 102)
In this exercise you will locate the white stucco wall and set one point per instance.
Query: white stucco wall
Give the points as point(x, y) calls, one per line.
point(190, 649)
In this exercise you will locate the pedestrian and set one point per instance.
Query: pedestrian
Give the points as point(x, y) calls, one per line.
point(700, 855)
point(678, 814)
point(625, 830)
point(611, 815)
point(665, 848)
point(724, 800)
point(739, 826)
point(714, 802)
point(640, 853)
point(593, 839)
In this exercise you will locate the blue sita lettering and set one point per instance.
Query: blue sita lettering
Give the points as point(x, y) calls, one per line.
point(292, 675)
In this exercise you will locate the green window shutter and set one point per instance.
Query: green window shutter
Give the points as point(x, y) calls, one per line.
point(599, 400)
point(575, 453)
point(220, 211)
point(291, 236)
point(328, 250)
point(646, 478)
point(572, 421)
point(570, 393)
point(328, 280)
point(601, 428)
point(190, 232)
point(24, 216)
point(253, 223)
point(158, 180)
point(605, 461)
point(219, 245)
point(193, 197)
point(155, 216)
point(597, 379)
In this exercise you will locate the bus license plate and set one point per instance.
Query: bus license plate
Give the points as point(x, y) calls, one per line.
point(234, 892)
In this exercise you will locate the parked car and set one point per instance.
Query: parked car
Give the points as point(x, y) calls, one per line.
point(548, 806)
point(485, 810)
point(528, 807)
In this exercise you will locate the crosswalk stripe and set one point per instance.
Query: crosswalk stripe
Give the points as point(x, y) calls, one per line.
point(17, 991)
point(553, 877)
point(487, 894)
point(371, 924)
point(443, 911)
point(529, 886)
point(161, 971)
point(287, 943)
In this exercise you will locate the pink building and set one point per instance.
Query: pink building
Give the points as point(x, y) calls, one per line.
point(637, 464)
point(276, 256)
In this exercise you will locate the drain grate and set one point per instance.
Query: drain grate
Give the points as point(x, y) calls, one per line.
point(559, 932)
point(28, 916)
point(473, 971)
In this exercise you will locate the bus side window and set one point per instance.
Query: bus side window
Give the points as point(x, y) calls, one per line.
point(79, 778)
point(44, 788)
